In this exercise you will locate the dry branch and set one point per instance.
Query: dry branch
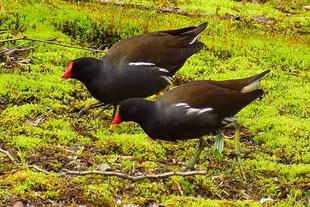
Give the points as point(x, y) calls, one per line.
point(143, 6)
point(112, 173)
point(51, 42)
point(40, 169)
point(137, 177)
point(179, 187)
point(16, 48)
point(7, 153)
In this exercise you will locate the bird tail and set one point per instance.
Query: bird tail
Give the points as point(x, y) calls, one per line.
point(252, 82)
point(192, 35)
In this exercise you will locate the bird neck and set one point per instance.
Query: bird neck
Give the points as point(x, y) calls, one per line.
point(146, 111)
point(94, 68)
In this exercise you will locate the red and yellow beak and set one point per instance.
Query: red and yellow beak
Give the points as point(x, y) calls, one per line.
point(117, 119)
point(68, 72)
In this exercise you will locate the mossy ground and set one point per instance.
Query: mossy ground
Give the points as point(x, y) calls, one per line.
point(238, 44)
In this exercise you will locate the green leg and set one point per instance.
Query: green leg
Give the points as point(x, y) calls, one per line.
point(100, 112)
point(237, 159)
point(202, 145)
point(96, 105)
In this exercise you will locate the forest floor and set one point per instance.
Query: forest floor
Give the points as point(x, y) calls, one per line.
point(44, 136)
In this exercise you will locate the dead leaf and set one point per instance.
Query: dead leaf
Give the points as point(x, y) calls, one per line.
point(36, 122)
point(2, 105)
point(255, 1)
point(23, 62)
point(264, 20)
point(307, 7)
point(264, 199)
point(18, 204)
point(130, 158)
point(238, 9)
point(104, 167)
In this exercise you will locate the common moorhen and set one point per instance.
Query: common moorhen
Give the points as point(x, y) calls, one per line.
point(138, 66)
point(193, 110)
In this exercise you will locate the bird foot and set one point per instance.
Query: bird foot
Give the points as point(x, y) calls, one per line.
point(98, 114)
point(237, 160)
point(82, 112)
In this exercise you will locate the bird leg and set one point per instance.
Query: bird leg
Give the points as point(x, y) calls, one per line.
point(104, 108)
point(202, 145)
point(237, 158)
point(96, 105)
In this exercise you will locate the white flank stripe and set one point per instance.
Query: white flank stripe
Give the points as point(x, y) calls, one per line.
point(141, 63)
point(194, 40)
point(224, 122)
point(250, 87)
point(168, 79)
point(192, 110)
point(183, 104)
point(227, 120)
point(163, 70)
point(205, 110)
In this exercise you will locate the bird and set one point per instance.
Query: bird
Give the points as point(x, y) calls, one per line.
point(192, 110)
point(139, 66)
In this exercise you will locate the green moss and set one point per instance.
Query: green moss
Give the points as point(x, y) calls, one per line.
point(277, 128)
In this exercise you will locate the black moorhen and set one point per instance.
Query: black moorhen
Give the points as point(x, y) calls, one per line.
point(138, 66)
point(193, 110)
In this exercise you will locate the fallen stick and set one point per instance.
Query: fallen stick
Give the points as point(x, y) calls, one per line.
point(8, 51)
point(7, 153)
point(143, 6)
point(109, 173)
point(136, 177)
point(53, 43)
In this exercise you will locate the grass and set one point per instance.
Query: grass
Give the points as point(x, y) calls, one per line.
point(276, 128)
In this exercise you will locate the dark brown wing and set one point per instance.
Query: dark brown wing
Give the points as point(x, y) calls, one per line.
point(167, 49)
point(224, 101)
point(243, 85)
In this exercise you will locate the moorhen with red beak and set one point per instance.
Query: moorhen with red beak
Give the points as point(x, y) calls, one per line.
point(193, 110)
point(138, 66)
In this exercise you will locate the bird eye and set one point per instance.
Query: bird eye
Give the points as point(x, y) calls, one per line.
point(123, 110)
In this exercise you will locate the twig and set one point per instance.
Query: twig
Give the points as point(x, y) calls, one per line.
point(143, 6)
point(179, 187)
point(112, 173)
point(19, 45)
point(9, 155)
point(10, 40)
point(137, 177)
point(50, 42)
point(41, 169)
point(3, 32)
point(8, 51)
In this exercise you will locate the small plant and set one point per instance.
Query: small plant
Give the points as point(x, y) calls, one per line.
point(219, 145)
point(22, 154)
